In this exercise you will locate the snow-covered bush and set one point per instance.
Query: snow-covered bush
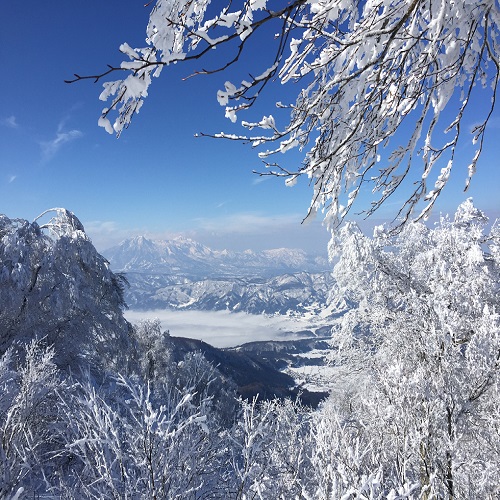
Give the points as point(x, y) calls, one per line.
point(126, 443)
point(29, 421)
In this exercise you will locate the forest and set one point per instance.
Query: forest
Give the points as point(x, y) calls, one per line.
point(94, 407)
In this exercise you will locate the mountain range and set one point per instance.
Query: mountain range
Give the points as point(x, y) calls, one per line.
point(184, 274)
point(185, 257)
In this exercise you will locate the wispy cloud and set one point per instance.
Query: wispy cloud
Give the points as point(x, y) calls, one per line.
point(237, 232)
point(247, 222)
point(260, 179)
point(493, 123)
point(10, 122)
point(258, 231)
point(51, 148)
point(12, 178)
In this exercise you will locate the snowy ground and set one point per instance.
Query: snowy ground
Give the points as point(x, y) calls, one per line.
point(314, 378)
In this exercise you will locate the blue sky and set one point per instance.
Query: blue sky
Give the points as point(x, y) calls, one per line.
point(157, 179)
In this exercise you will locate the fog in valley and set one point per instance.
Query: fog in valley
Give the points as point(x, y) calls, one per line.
point(222, 328)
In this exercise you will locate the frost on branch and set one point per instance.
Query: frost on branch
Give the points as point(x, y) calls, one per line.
point(423, 345)
point(374, 80)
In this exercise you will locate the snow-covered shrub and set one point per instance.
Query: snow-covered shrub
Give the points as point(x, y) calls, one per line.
point(127, 444)
point(29, 421)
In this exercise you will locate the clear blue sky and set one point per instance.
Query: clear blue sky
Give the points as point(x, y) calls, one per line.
point(157, 179)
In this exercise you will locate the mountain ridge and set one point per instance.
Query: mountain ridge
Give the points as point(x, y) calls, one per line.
point(187, 257)
point(183, 274)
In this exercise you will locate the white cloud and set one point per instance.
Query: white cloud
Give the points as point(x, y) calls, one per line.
point(12, 178)
point(106, 234)
point(259, 232)
point(260, 179)
point(10, 122)
point(236, 232)
point(50, 148)
point(242, 223)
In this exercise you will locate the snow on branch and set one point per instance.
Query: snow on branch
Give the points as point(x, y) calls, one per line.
point(375, 78)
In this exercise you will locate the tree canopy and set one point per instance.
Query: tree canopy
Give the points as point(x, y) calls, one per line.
point(421, 350)
point(380, 83)
point(55, 286)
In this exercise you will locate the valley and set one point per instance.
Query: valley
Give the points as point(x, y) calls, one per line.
point(264, 318)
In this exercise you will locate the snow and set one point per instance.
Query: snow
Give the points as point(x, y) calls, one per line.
point(313, 378)
point(106, 124)
point(258, 4)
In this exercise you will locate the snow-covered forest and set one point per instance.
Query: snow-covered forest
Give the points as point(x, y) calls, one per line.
point(93, 407)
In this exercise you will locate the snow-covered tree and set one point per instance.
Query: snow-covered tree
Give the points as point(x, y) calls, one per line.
point(127, 442)
point(379, 83)
point(152, 360)
point(29, 420)
point(424, 345)
point(55, 286)
point(270, 450)
point(152, 357)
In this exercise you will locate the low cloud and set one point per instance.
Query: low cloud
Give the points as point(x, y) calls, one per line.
point(223, 328)
point(260, 232)
point(236, 232)
point(107, 234)
point(246, 223)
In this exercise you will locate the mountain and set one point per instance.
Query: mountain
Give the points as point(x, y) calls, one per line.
point(185, 257)
point(298, 292)
point(184, 274)
point(265, 369)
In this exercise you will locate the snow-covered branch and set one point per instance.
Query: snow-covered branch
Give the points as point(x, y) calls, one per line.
point(375, 79)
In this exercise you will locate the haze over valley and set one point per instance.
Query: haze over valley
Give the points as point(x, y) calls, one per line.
point(222, 297)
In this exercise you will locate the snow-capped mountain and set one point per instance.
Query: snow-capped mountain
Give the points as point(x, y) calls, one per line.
point(296, 293)
point(184, 274)
point(183, 256)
